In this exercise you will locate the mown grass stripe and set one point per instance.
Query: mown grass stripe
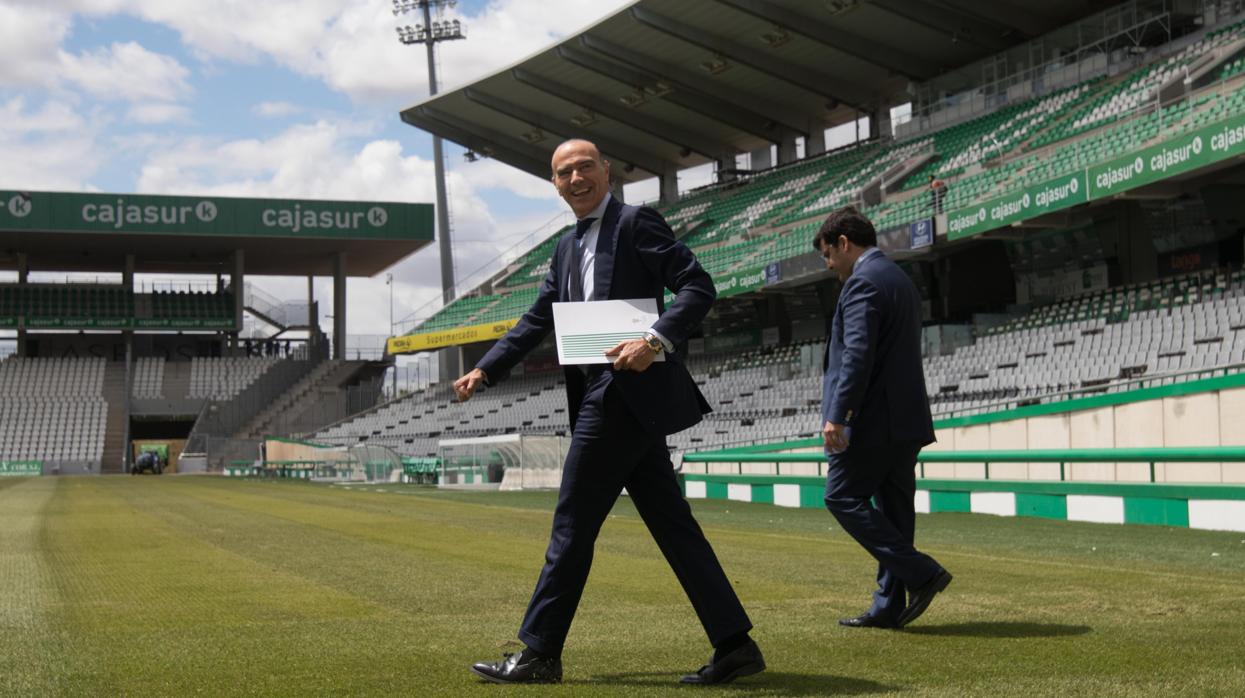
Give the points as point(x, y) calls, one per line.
point(193, 585)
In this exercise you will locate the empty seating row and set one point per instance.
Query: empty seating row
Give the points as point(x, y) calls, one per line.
point(51, 377)
point(224, 377)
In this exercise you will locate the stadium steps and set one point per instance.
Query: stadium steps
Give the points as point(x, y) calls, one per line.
point(117, 416)
point(176, 380)
point(299, 400)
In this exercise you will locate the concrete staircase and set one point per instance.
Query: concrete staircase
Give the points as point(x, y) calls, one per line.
point(176, 379)
point(301, 408)
point(118, 418)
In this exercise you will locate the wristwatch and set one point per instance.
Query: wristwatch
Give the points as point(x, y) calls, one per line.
point(653, 342)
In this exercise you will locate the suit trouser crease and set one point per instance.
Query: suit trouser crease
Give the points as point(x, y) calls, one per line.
point(870, 492)
point(610, 450)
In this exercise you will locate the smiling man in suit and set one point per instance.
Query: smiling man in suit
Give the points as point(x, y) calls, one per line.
point(875, 417)
point(620, 414)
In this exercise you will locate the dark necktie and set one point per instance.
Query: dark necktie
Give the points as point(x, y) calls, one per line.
point(577, 259)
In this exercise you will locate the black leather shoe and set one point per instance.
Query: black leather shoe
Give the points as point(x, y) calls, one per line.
point(865, 620)
point(919, 599)
point(524, 667)
point(743, 661)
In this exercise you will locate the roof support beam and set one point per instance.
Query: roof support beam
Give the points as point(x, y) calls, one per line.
point(531, 160)
point(888, 57)
point(702, 99)
point(649, 162)
point(613, 110)
point(1015, 16)
point(791, 73)
point(957, 24)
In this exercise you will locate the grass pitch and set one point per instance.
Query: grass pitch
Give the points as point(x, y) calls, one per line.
point(208, 586)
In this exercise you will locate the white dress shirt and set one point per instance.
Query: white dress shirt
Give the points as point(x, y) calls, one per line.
point(588, 258)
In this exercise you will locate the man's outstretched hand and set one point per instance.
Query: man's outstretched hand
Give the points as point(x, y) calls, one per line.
point(631, 355)
point(466, 386)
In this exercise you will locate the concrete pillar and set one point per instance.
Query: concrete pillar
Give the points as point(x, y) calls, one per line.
point(761, 159)
point(669, 185)
point(450, 361)
point(616, 190)
point(880, 123)
point(23, 276)
point(1135, 244)
point(127, 273)
point(311, 303)
point(127, 282)
point(815, 141)
point(339, 306)
point(787, 151)
point(237, 285)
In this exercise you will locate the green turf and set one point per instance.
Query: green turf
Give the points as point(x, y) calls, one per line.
point(211, 586)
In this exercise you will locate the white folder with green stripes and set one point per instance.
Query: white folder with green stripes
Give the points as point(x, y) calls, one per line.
point(585, 331)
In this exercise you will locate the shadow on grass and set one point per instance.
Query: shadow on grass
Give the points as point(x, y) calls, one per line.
point(1001, 629)
point(789, 683)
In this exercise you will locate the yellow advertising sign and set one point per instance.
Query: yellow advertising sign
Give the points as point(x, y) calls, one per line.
point(450, 338)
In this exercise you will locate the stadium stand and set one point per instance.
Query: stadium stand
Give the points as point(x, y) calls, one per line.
point(224, 377)
point(53, 412)
point(148, 377)
point(1043, 350)
point(69, 306)
point(192, 305)
point(1164, 328)
point(38, 301)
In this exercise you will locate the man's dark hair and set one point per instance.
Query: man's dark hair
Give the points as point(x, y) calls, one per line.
point(849, 223)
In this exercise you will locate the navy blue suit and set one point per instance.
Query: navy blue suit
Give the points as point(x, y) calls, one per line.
point(619, 421)
point(875, 384)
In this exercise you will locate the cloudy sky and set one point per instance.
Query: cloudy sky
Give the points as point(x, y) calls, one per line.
point(270, 98)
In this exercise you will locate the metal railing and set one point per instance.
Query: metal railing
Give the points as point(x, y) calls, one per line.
point(223, 418)
point(327, 406)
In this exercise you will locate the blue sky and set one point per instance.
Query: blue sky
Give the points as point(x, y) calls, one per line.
point(289, 98)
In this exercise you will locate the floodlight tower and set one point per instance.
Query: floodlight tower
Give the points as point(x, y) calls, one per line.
point(428, 34)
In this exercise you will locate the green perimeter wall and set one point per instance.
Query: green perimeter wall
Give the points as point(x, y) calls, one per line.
point(1196, 413)
point(1209, 507)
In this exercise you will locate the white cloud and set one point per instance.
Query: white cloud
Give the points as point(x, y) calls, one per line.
point(126, 71)
point(275, 109)
point(159, 113)
point(49, 147)
point(353, 48)
point(30, 39)
point(490, 174)
point(15, 120)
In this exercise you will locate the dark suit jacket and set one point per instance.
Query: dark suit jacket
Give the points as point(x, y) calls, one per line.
point(874, 380)
point(636, 257)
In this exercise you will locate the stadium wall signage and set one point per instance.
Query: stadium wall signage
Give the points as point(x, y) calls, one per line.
point(1185, 153)
point(1031, 202)
point(737, 282)
point(909, 236)
point(20, 468)
point(449, 338)
point(213, 216)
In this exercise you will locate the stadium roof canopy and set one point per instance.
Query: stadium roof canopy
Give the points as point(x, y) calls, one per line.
point(199, 234)
point(662, 86)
